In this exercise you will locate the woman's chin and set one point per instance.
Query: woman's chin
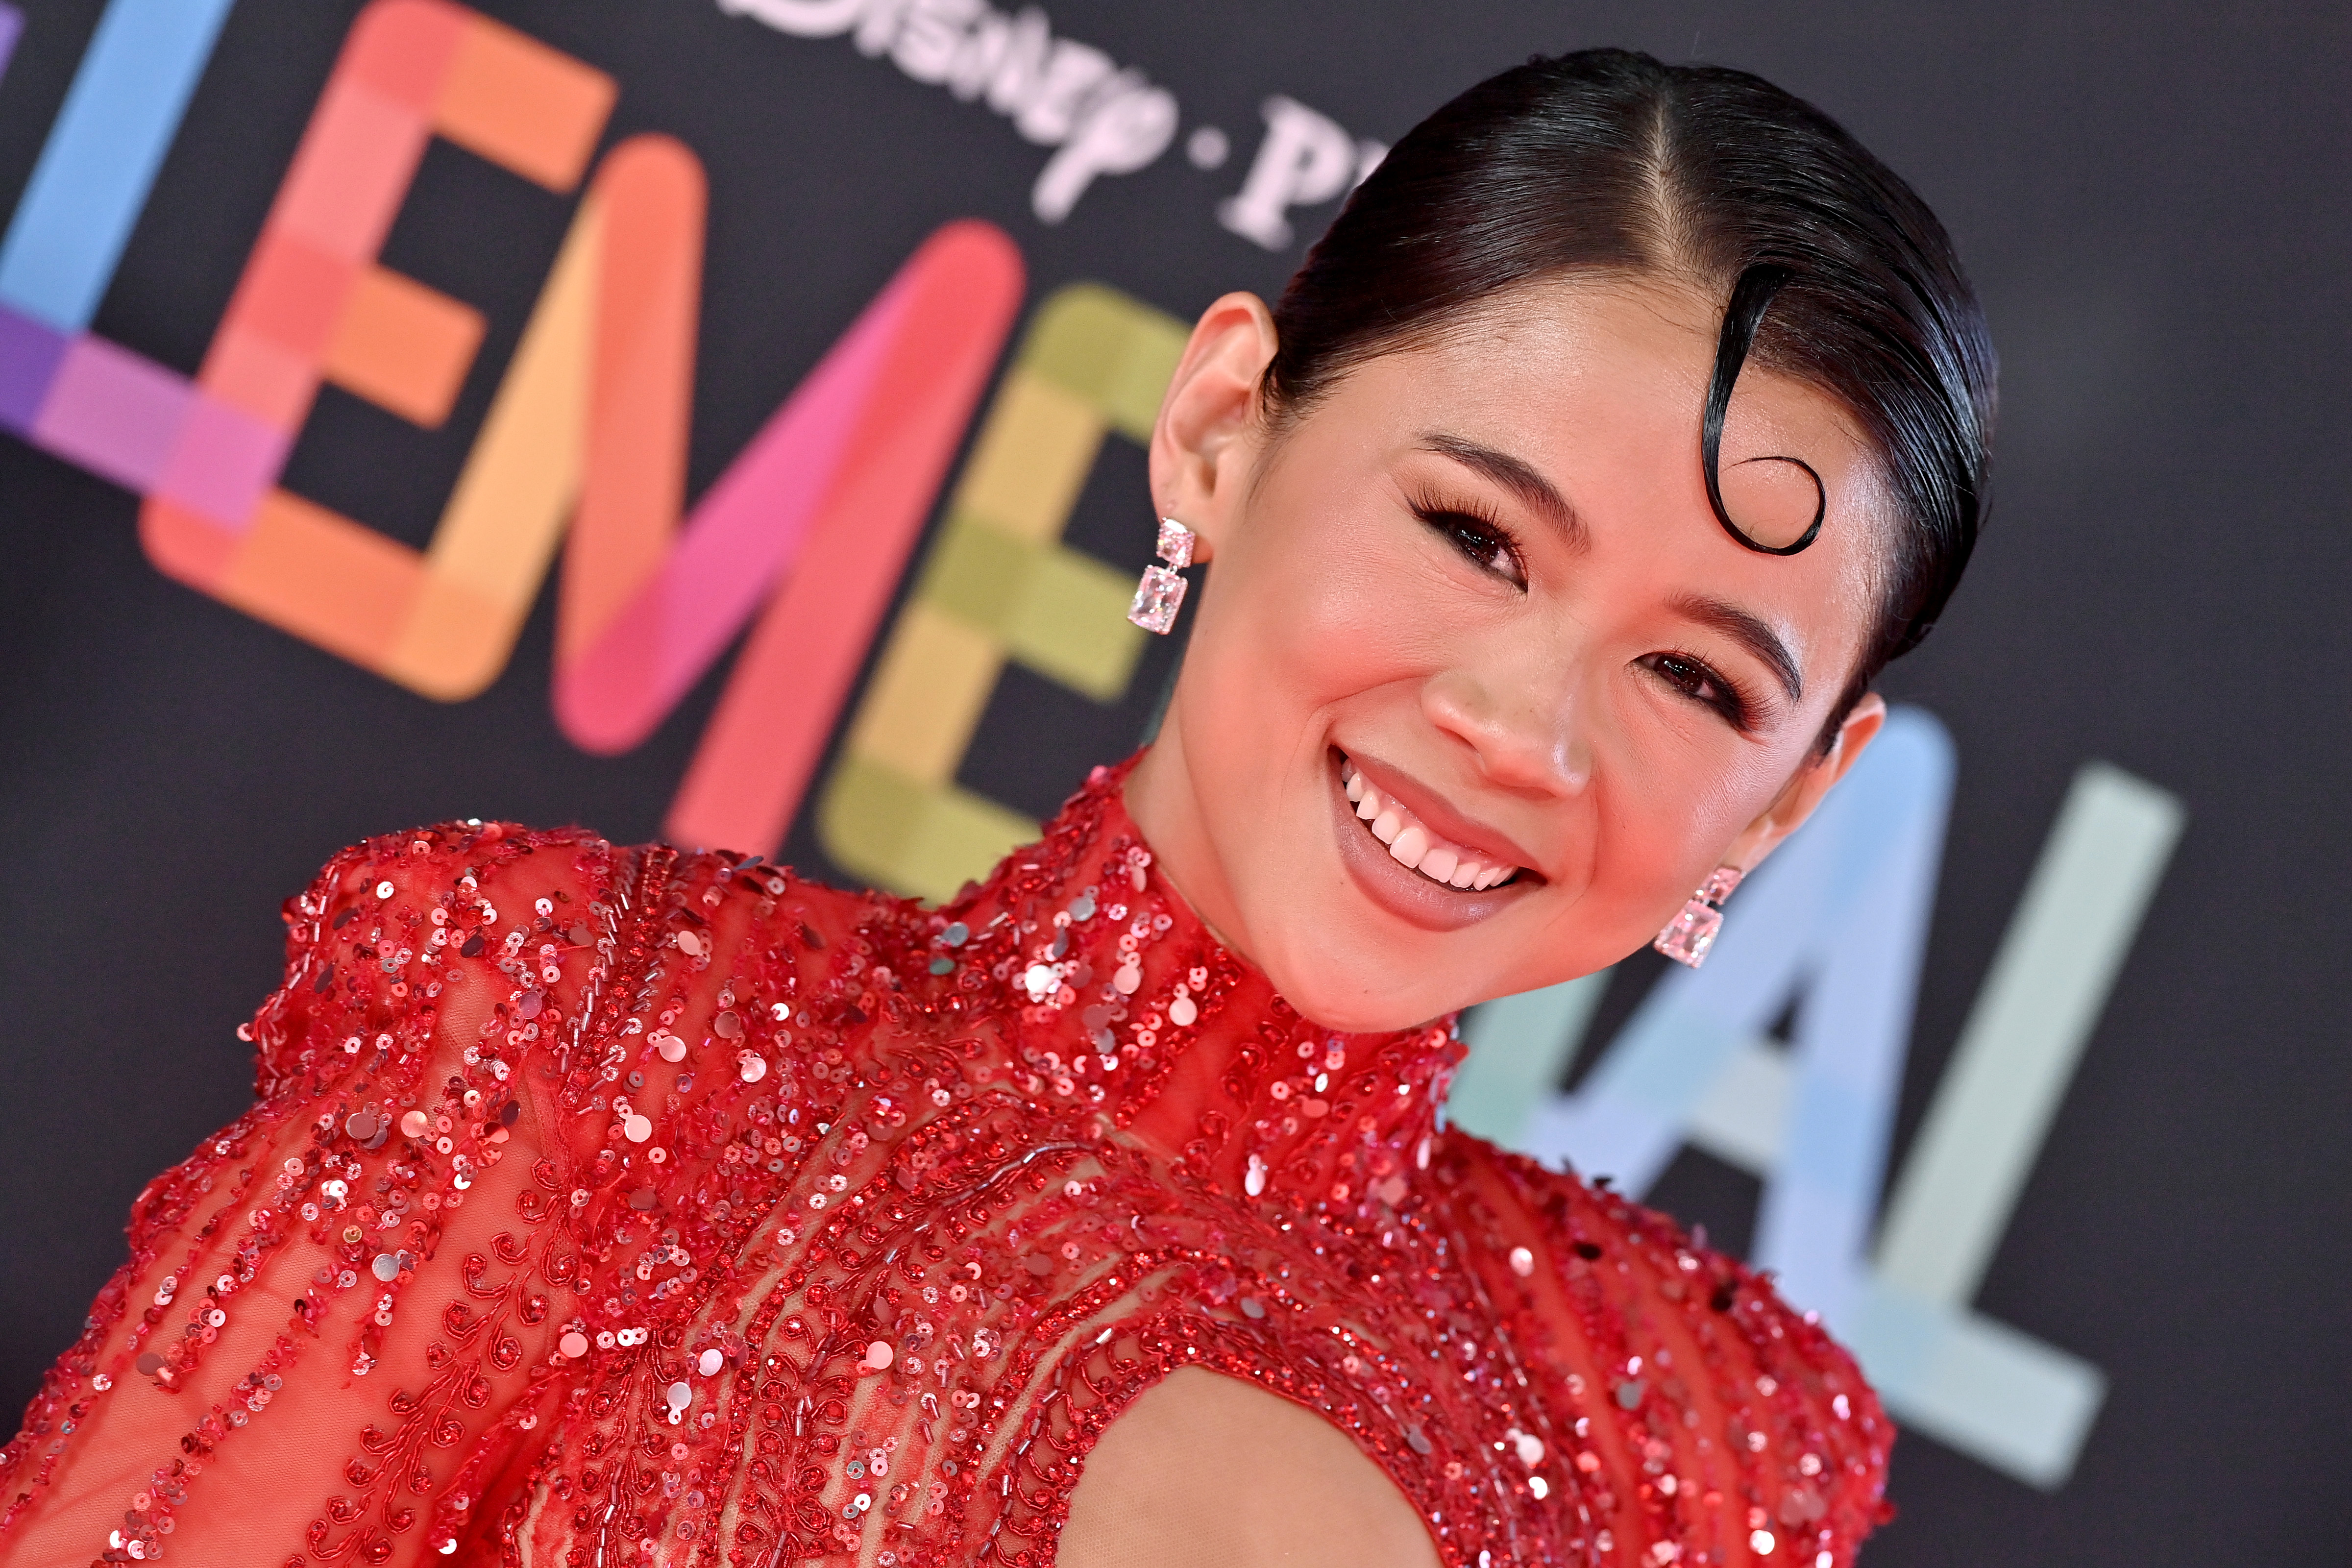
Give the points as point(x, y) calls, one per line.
point(1357, 999)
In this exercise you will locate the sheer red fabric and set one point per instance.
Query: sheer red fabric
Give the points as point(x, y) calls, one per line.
point(606, 1206)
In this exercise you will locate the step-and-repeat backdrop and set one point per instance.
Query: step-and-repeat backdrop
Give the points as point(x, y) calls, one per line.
point(719, 419)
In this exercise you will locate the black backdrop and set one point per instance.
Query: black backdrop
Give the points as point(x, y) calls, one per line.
point(2151, 199)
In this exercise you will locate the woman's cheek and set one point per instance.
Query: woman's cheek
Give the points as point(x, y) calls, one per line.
point(1653, 810)
point(1362, 618)
point(1686, 820)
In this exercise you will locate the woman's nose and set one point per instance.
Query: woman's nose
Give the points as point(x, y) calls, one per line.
point(1521, 726)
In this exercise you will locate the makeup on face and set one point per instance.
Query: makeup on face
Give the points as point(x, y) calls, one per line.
point(1420, 861)
point(1415, 845)
point(1477, 685)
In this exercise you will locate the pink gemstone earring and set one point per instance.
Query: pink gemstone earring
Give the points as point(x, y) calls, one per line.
point(1161, 592)
point(1689, 934)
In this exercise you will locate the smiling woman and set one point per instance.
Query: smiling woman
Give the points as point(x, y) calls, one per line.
point(611, 1205)
point(1481, 576)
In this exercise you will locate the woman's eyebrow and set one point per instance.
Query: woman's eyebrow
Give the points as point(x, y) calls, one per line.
point(1751, 632)
point(1514, 475)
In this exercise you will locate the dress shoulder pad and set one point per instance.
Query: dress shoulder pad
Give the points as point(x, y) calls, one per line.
point(391, 928)
point(1689, 1364)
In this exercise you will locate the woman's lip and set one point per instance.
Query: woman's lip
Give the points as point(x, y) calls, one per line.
point(1408, 895)
point(1494, 848)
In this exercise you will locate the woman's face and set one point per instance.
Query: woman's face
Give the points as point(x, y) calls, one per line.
point(1480, 587)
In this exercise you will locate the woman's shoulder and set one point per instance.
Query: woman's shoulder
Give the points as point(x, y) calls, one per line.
point(1640, 1317)
point(390, 929)
point(409, 873)
point(463, 868)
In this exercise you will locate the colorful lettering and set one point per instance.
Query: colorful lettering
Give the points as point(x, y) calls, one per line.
point(102, 154)
point(1841, 913)
point(588, 427)
point(998, 583)
point(313, 305)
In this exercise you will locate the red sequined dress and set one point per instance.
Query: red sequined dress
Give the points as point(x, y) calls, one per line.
point(606, 1206)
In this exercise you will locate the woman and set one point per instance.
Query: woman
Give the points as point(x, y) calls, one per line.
point(613, 1206)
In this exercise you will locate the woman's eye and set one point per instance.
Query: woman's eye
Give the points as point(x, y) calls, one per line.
point(1700, 684)
point(1485, 543)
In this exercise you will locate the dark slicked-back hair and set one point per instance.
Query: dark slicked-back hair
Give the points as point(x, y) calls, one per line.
point(1831, 269)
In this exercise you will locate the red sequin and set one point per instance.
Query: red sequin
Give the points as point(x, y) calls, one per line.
point(614, 1206)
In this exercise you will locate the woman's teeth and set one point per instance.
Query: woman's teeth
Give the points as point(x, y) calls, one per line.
point(1414, 847)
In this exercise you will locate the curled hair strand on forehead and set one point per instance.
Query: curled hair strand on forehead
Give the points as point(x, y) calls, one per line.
point(1751, 298)
point(1608, 160)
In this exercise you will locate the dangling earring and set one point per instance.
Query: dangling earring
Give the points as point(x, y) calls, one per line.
point(1689, 934)
point(1161, 592)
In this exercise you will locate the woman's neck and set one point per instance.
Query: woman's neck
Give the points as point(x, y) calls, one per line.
point(1118, 982)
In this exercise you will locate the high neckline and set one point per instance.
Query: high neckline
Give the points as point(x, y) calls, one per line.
point(1127, 1000)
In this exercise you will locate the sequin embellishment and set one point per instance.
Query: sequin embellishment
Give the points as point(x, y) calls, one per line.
point(618, 1208)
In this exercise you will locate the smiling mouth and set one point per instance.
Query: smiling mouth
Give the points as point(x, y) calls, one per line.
point(1410, 843)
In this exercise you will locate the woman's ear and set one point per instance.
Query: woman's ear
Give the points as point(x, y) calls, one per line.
point(1204, 443)
point(1796, 802)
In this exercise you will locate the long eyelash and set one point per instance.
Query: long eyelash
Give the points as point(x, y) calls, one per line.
point(1429, 503)
point(1732, 702)
point(1426, 505)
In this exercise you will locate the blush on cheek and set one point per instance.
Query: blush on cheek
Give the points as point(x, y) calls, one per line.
point(1300, 623)
point(1346, 620)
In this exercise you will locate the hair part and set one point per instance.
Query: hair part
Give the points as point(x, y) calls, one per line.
point(1609, 161)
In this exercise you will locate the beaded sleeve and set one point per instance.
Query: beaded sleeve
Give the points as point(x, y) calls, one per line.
point(394, 1136)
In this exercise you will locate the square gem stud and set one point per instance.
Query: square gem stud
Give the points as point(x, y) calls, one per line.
point(1690, 933)
point(1175, 543)
point(1157, 598)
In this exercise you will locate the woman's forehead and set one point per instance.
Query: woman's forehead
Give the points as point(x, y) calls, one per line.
point(1620, 349)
